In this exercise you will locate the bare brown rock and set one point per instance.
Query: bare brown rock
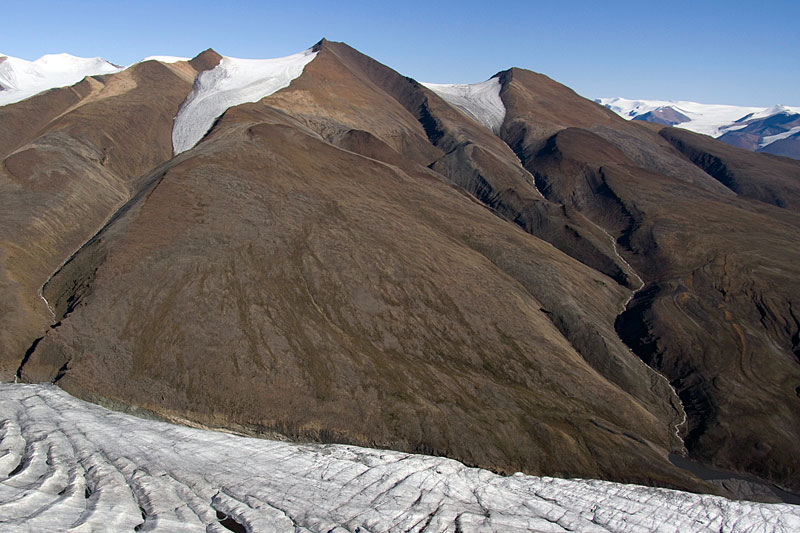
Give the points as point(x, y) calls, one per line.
point(768, 178)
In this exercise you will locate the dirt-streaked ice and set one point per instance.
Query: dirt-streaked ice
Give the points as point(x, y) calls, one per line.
point(66, 465)
point(232, 82)
point(20, 79)
point(479, 101)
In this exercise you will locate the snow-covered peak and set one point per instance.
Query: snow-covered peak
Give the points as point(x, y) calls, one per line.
point(709, 119)
point(21, 79)
point(232, 82)
point(775, 110)
point(753, 128)
point(479, 101)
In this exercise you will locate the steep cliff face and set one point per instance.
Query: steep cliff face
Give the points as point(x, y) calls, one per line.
point(355, 258)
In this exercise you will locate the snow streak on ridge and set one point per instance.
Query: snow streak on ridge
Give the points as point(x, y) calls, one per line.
point(769, 139)
point(479, 101)
point(231, 83)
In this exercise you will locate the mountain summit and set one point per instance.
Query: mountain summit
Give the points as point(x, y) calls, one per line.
point(20, 79)
point(321, 248)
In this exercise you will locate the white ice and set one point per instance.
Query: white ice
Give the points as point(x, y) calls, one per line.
point(774, 110)
point(479, 101)
point(165, 59)
point(21, 79)
point(232, 82)
point(66, 465)
point(769, 139)
point(709, 119)
point(713, 120)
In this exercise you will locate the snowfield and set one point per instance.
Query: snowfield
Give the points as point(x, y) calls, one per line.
point(708, 119)
point(231, 83)
point(479, 101)
point(20, 79)
point(165, 59)
point(67, 465)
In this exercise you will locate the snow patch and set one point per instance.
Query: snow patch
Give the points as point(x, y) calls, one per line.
point(479, 101)
point(774, 110)
point(769, 139)
point(231, 83)
point(21, 79)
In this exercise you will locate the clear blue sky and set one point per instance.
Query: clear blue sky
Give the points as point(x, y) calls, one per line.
point(734, 52)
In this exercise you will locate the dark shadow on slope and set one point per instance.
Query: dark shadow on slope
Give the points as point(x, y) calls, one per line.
point(27, 355)
point(750, 489)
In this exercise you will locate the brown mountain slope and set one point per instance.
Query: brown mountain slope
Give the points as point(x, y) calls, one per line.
point(270, 280)
point(473, 159)
point(717, 311)
point(765, 177)
point(353, 259)
point(70, 157)
point(353, 302)
point(468, 154)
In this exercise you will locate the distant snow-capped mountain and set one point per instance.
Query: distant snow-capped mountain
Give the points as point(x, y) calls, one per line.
point(774, 130)
point(21, 79)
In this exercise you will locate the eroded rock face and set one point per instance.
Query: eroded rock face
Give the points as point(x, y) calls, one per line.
point(352, 259)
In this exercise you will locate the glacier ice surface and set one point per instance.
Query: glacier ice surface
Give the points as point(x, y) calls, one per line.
point(67, 465)
point(709, 119)
point(232, 82)
point(479, 101)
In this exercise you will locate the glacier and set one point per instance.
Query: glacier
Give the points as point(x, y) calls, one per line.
point(68, 465)
point(708, 119)
point(232, 82)
point(479, 101)
point(769, 139)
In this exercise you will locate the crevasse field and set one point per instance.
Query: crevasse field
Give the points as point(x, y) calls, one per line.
point(67, 465)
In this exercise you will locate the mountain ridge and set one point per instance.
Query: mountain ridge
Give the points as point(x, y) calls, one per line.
point(338, 239)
